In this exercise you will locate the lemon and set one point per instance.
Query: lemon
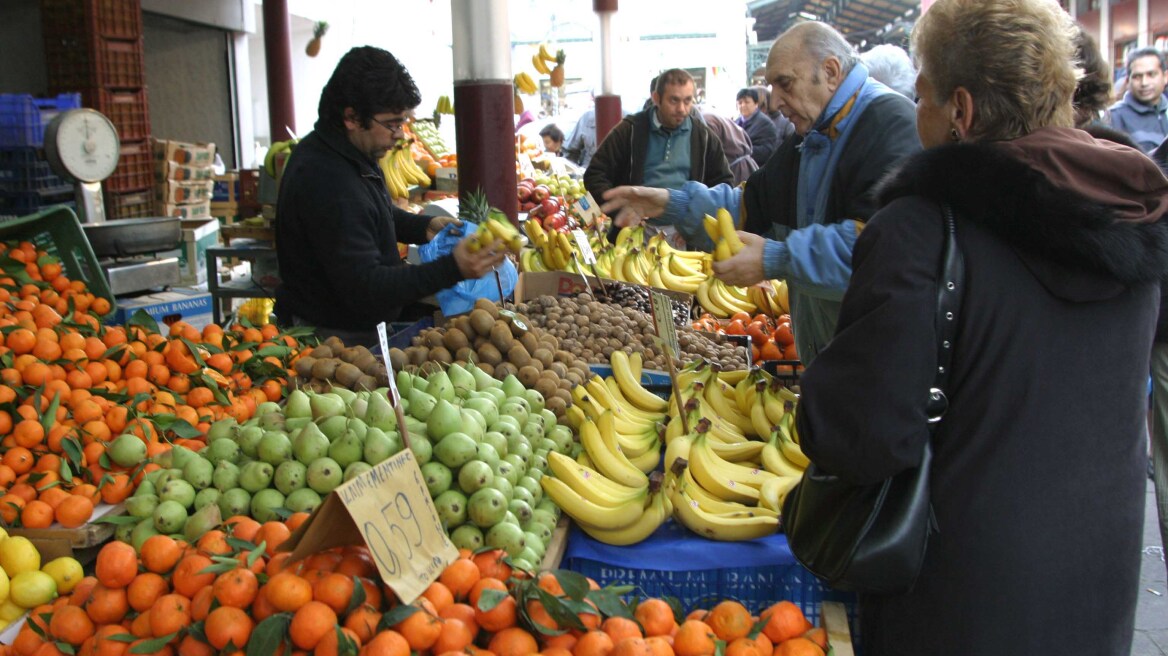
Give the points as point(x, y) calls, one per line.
point(33, 588)
point(65, 571)
point(19, 555)
point(3, 585)
point(9, 611)
point(3, 534)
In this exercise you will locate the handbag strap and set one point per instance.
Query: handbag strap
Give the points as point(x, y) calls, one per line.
point(950, 288)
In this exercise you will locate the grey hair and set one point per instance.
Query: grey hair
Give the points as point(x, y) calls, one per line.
point(891, 65)
point(820, 41)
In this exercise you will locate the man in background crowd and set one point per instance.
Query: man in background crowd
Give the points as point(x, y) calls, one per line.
point(1143, 111)
point(764, 137)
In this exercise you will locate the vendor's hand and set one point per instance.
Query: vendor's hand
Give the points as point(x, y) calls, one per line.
point(481, 262)
point(437, 223)
point(745, 268)
point(632, 205)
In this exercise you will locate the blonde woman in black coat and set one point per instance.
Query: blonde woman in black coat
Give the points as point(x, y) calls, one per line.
point(1038, 471)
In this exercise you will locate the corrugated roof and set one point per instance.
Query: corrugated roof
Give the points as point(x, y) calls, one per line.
point(859, 20)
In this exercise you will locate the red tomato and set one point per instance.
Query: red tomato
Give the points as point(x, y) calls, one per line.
point(766, 321)
point(789, 353)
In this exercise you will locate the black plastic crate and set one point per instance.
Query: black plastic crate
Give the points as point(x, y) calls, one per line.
point(21, 203)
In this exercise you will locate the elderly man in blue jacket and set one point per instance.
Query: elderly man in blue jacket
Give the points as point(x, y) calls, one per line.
point(814, 194)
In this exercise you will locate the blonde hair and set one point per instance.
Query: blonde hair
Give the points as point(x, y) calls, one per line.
point(1015, 57)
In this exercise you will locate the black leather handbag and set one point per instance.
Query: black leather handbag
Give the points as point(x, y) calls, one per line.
point(872, 538)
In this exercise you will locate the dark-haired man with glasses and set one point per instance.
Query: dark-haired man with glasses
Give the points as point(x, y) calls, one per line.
point(337, 229)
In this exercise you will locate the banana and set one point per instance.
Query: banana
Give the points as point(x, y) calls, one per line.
point(713, 504)
point(719, 527)
point(707, 303)
point(679, 447)
point(722, 295)
point(584, 461)
point(712, 227)
point(574, 416)
point(775, 407)
point(759, 420)
point(648, 460)
point(545, 54)
point(586, 512)
point(738, 452)
point(681, 283)
point(631, 387)
point(526, 84)
point(660, 509)
point(600, 444)
point(722, 479)
point(735, 376)
point(684, 268)
point(789, 448)
point(713, 393)
point(655, 278)
point(591, 484)
point(776, 463)
point(738, 293)
point(728, 230)
point(774, 491)
point(540, 65)
point(626, 406)
point(722, 250)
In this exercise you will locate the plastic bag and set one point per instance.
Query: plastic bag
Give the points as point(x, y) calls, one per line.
point(461, 298)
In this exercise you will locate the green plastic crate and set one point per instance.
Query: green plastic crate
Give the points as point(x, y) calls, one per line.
point(58, 232)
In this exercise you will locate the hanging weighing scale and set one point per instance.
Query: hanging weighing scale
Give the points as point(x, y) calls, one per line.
point(82, 146)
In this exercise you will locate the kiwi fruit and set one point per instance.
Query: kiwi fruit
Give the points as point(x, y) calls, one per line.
point(418, 354)
point(304, 366)
point(529, 342)
point(347, 374)
point(366, 383)
point(488, 369)
point(564, 395)
point(481, 321)
point(515, 323)
point(528, 375)
point(518, 356)
point(487, 306)
point(559, 368)
point(501, 336)
point(556, 404)
point(349, 354)
point(368, 362)
point(431, 367)
point(545, 386)
point(544, 357)
point(489, 354)
point(466, 354)
point(322, 351)
point(434, 338)
point(440, 354)
point(335, 343)
point(505, 369)
point(455, 339)
point(324, 368)
point(463, 323)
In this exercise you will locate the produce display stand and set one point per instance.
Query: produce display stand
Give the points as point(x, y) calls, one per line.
point(81, 543)
point(8, 635)
point(554, 555)
point(763, 571)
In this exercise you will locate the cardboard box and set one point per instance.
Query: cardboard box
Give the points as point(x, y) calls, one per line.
point(232, 213)
point(446, 179)
point(184, 193)
point(190, 154)
point(166, 308)
point(167, 170)
point(194, 211)
point(198, 235)
point(237, 187)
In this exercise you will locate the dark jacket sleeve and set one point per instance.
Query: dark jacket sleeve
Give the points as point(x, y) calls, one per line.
point(362, 271)
point(610, 163)
point(862, 408)
point(411, 228)
point(717, 169)
point(764, 139)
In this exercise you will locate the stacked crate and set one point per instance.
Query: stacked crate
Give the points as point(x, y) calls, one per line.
point(186, 179)
point(95, 47)
point(27, 184)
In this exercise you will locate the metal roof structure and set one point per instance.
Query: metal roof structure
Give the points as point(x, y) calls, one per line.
point(870, 21)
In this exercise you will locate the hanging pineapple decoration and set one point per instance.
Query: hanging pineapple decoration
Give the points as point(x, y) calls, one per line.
point(557, 75)
point(318, 32)
point(540, 60)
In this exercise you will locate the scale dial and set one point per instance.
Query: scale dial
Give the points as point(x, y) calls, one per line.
point(83, 144)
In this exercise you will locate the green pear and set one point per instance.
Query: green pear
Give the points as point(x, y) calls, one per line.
point(512, 386)
point(198, 472)
point(141, 532)
point(468, 536)
point(421, 404)
point(473, 423)
point(179, 456)
point(474, 475)
point(534, 398)
point(326, 405)
point(355, 469)
point(179, 491)
point(170, 516)
point(451, 507)
point(236, 501)
point(497, 394)
point(422, 448)
point(462, 380)
point(206, 497)
point(483, 380)
point(380, 413)
point(358, 426)
point(359, 407)
point(438, 477)
point(274, 448)
point(379, 446)
point(405, 382)
point(303, 500)
point(127, 450)
point(443, 420)
point(334, 426)
point(439, 386)
point(255, 476)
point(324, 475)
point(347, 395)
point(221, 450)
point(455, 450)
point(310, 443)
point(294, 424)
point(297, 405)
point(225, 476)
point(248, 439)
point(222, 429)
point(497, 440)
point(264, 504)
point(290, 476)
point(486, 407)
point(141, 505)
point(209, 517)
point(347, 449)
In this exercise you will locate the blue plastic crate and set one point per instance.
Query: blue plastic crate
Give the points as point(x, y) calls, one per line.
point(674, 562)
point(29, 202)
point(23, 118)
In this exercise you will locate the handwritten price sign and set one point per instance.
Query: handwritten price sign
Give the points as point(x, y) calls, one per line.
point(584, 246)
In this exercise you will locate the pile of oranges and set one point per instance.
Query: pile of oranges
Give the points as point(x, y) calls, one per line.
point(232, 592)
point(69, 385)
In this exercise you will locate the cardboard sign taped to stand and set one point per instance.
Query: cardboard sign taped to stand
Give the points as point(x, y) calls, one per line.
point(389, 510)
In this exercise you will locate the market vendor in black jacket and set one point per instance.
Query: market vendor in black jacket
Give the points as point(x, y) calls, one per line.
point(336, 228)
point(662, 146)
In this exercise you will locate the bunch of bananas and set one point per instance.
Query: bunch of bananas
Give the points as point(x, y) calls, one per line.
point(496, 229)
point(730, 473)
point(445, 105)
point(525, 84)
point(540, 59)
point(552, 250)
point(606, 490)
point(401, 171)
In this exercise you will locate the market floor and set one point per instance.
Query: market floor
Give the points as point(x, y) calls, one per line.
point(1151, 638)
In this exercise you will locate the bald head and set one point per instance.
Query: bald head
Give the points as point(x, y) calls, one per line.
point(805, 66)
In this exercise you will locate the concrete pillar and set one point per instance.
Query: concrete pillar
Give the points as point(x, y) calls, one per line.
point(1143, 38)
point(278, 60)
point(484, 116)
point(1105, 44)
point(608, 104)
